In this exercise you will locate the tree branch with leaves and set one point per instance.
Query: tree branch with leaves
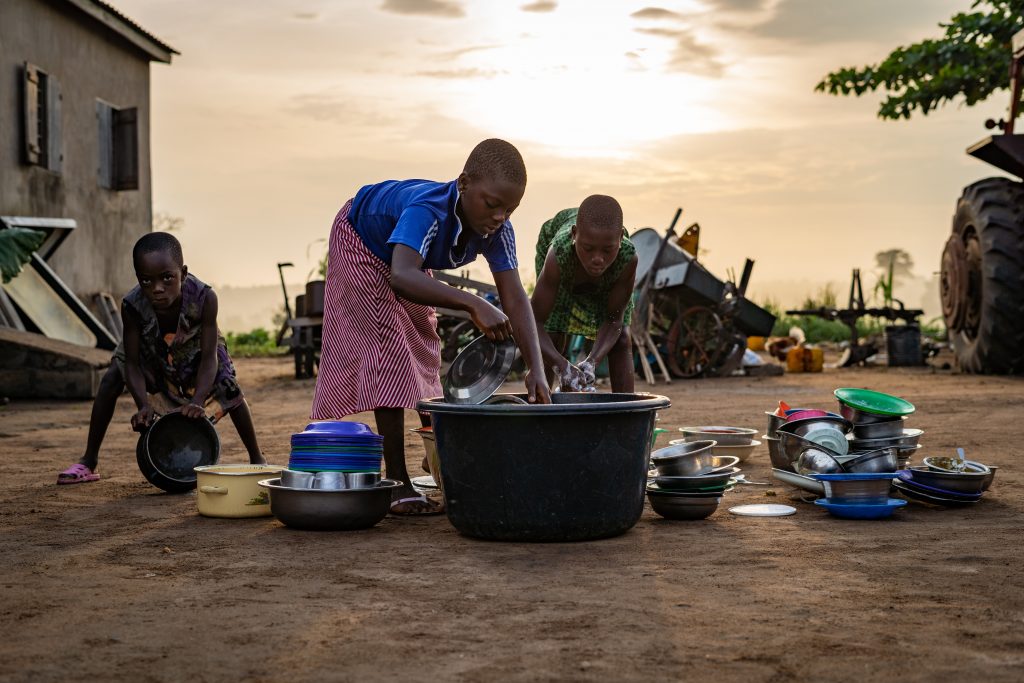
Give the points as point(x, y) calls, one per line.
point(972, 60)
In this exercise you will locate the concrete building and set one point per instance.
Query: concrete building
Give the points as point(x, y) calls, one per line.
point(74, 132)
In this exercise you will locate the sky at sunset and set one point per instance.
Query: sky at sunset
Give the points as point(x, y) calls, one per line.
point(276, 112)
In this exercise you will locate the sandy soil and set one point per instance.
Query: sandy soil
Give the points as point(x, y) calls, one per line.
point(115, 580)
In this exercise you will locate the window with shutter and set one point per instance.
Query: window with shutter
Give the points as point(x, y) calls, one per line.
point(118, 130)
point(41, 114)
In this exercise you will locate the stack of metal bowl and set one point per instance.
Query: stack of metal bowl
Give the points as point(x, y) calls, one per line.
point(690, 480)
point(945, 481)
point(879, 421)
point(858, 496)
point(738, 442)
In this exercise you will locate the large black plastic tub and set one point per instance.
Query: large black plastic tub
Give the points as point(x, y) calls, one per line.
point(571, 471)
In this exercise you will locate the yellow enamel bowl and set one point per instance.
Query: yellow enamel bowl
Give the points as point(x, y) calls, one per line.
point(233, 490)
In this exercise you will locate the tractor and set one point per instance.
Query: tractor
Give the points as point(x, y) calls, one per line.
point(982, 272)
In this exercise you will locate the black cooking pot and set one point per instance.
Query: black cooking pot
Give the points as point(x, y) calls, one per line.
point(571, 471)
point(173, 446)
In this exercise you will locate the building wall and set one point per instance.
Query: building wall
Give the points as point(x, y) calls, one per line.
point(90, 62)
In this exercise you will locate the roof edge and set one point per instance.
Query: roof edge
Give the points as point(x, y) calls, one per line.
point(126, 28)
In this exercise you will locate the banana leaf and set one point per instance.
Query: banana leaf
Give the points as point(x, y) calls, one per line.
point(16, 247)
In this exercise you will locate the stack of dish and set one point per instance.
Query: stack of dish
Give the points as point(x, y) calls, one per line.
point(736, 442)
point(858, 496)
point(690, 480)
point(945, 481)
point(336, 446)
point(879, 421)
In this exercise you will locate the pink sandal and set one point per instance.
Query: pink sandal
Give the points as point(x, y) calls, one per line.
point(77, 474)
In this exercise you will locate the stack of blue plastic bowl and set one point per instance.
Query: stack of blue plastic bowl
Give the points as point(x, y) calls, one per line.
point(336, 446)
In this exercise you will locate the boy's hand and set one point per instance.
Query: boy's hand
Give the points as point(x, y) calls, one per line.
point(571, 378)
point(491, 321)
point(144, 418)
point(193, 411)
point(536, 388)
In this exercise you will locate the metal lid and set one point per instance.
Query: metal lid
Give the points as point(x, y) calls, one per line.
point(478, 371)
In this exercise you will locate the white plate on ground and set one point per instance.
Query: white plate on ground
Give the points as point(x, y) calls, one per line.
point(763, 510)
point(426, 482)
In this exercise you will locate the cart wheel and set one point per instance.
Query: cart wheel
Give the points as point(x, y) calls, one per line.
point(695, 343)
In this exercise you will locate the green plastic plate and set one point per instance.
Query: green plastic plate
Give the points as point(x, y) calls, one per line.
point(875, 402)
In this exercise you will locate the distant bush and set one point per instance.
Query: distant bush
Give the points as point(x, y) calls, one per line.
point(254, 343)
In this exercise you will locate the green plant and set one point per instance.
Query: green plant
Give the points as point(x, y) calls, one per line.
point(254, 343)
point(16, 247)
point(972, 60)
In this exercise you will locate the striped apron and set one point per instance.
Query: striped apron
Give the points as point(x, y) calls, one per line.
point(378, 350)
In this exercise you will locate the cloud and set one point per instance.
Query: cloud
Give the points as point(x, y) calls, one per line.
point(336, 108)
point(655, 13)
point(432, 8)
point(540, 6)
point(689, 55)
point(877, 21)
point(460, 73)
point(737, 5)
point(452, 55)
point(305, 16)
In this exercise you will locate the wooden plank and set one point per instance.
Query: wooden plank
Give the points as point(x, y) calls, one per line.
point(459, 281)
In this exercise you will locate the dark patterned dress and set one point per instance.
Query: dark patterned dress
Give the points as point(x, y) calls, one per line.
point(579, 308)
point(170, 363)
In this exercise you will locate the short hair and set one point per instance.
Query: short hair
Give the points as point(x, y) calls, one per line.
point(600, 211)
point(496, 159)
point(158, 241)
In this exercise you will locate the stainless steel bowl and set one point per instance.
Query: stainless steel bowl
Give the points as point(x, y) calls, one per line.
point(808, 424)
point(683, 507)
point(817, 460)
point(960, 482)
point(741, 453)
point(879, 430)
point(329, 509)
point(859, 416)
point(775, 454)
point(945, 464)
point(863, 491)
point(909, 437)
point(880, 460)
point(685, 459)
point(725, 436)
point(793, 444)
point(696, 482)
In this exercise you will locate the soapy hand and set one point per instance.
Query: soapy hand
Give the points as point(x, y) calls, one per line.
point(573, 378)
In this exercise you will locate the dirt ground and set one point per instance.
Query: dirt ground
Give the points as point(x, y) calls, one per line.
point(115, 580)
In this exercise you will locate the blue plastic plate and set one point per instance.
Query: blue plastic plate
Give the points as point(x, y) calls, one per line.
point(860, 510)
point(339, 428)
point(907, 478)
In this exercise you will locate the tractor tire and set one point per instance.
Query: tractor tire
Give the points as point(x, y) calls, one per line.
point(982, 278)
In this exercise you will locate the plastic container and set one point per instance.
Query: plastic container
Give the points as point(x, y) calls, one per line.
point(805, 359)
point(571, 471)
point(903, 344)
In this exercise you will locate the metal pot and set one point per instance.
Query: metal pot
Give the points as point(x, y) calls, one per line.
point(881, 460)
point(686, 459)
point(172, 447)
point(879, 430)
point(330, 509)
point(233, 490)
point(909, 437)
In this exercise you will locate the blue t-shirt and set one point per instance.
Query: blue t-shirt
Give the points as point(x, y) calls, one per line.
point(421, 215)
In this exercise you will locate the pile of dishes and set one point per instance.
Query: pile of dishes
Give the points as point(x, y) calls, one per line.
point(690, 480)
point(336, 446)
point(736, 442)
point(945, 481)
point(879, 421)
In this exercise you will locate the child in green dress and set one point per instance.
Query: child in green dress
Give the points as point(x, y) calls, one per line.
point(585, 271)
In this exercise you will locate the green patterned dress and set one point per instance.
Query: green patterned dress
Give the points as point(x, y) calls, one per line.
point(579, 309)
